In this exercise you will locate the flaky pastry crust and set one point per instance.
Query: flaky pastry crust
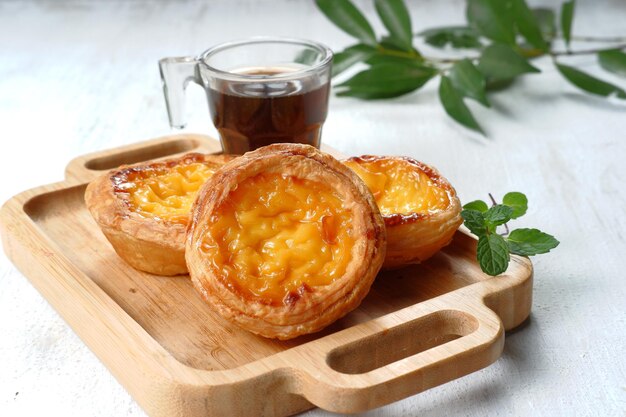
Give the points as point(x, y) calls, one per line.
point(413, 235)
point(148, 242)
point(284, 312)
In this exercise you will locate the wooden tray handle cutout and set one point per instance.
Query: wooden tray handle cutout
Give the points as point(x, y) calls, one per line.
point(402, 360)
point(87, 167)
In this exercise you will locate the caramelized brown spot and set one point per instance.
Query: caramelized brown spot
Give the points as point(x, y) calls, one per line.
point(304, 288)
point(398, 219)
point(291, 298)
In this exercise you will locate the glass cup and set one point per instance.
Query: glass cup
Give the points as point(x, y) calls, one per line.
point(260, 90)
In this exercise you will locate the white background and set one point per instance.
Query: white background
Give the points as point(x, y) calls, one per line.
point(77, 77)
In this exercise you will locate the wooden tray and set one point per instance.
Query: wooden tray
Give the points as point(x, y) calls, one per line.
point(419, 327)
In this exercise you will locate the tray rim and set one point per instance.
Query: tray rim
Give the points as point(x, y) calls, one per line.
point(163, 366)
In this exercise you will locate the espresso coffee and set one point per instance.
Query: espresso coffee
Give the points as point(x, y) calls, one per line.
point(268, 109)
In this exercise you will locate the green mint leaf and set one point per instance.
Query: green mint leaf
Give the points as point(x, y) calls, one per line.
point(546, 19)
point(567, 16)
point(478, 205)
point(493, 254)
point(527, 25)
point(529, 242)
point(350, 56)
point(493, 19)
point(348, 18)
point(474, 220)
point(395, 16)
point(469, 81)
point(498, 214)
point(613, 61)
point(588, 83)
point(453, 104)
point(501, 62)
point(457, 36)
point(518, 202)
point(386, 80)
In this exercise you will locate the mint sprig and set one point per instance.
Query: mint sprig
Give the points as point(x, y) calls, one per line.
point(494, 249)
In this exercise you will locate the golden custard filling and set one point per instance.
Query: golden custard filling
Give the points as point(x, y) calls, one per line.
point(278, 236)
point(167, 192)
point(400, 187)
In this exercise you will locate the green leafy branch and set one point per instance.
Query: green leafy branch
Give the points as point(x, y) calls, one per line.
point(505, 35)
point(494, 249)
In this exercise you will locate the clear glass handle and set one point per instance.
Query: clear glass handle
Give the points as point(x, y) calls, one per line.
point(176, 74)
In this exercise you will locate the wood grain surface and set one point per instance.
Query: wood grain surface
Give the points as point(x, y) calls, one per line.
point(80, 76)
point(418, 327)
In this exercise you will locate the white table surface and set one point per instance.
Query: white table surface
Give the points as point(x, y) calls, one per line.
point(77, 77)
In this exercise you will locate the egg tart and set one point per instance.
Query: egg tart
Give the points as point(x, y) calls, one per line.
point(144, 209)
point(419, 206)
point(284, 241)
